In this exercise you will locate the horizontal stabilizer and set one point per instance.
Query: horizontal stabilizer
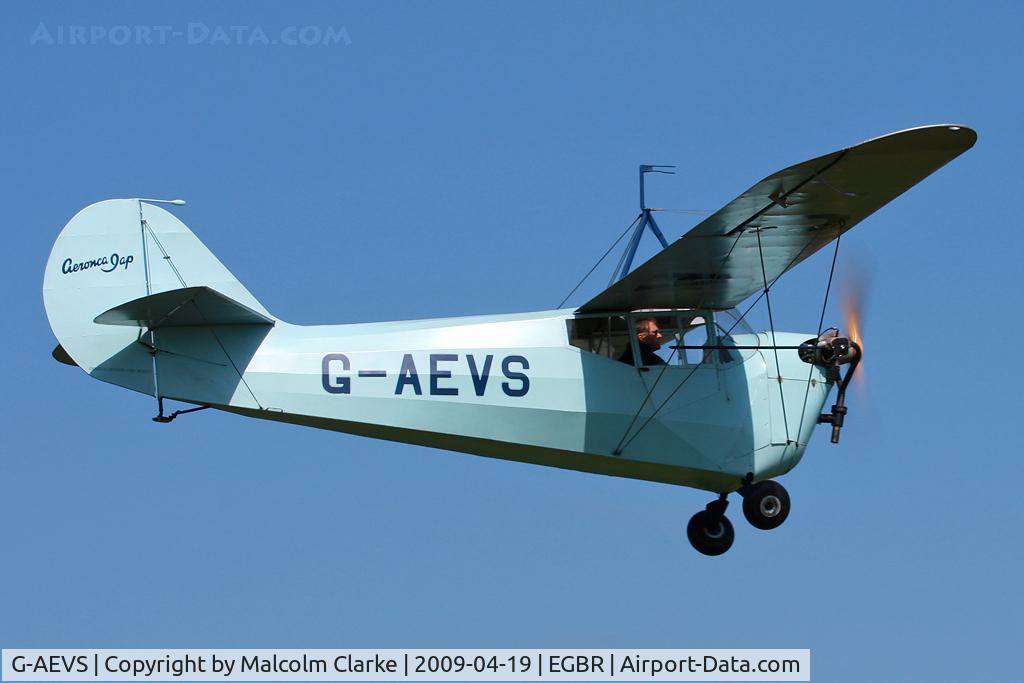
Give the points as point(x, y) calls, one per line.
point(186, 307)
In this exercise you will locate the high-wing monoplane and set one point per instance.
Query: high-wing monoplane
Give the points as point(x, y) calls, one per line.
point(658, 377)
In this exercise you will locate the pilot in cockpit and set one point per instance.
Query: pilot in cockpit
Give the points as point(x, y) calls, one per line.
point(649, 339)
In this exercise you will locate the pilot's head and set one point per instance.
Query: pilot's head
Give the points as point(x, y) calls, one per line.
point(648, 333)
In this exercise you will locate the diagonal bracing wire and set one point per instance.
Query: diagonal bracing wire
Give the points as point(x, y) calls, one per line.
point(771, 326)
point(776, 200)
point(622, 446)
point(624, 443)
point(216, 337)
point(821, 323)
point(594, 267)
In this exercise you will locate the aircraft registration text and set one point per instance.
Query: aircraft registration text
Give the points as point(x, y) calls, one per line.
point(336, 374)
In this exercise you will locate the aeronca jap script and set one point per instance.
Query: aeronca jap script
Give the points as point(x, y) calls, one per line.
point(107, 264)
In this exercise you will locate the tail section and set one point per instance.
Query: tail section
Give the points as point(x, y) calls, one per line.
point(131, 292)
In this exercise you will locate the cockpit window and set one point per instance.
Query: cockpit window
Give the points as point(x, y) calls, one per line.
point(673, 338)
point(726, 355)
point(695, 340)
point(608, 337)
point(733, 330)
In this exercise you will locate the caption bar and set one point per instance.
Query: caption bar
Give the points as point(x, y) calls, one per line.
point(406, 665)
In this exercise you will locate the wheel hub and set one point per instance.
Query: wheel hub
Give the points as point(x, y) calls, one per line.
point(715, 531)
point(770, 506)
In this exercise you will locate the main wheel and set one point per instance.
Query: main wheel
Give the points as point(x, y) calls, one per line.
point(766, 505)
point(708, 535)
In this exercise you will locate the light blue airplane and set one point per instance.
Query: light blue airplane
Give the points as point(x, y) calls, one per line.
point(658, 377)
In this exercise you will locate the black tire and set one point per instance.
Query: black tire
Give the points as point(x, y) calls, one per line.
point(766, 505)
point(710, 537)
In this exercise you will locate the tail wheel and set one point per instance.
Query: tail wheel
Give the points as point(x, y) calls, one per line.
point(766, 505)
point(710, 534)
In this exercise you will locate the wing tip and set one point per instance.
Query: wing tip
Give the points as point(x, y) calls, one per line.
point(948, 135)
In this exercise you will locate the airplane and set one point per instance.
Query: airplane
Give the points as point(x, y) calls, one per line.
point(658, 377)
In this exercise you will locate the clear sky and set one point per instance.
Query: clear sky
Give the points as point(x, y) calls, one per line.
point(457, 159)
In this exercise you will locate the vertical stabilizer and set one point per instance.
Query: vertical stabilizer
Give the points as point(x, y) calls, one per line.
point(118, 251)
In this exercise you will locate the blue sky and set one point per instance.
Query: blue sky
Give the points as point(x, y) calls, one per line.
point(458, 159)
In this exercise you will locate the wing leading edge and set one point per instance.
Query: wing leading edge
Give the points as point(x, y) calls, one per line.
point(793, 214)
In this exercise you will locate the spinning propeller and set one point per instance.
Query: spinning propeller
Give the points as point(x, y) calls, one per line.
point(854, 296)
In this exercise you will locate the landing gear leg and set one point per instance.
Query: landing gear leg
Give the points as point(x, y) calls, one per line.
point(710, 531)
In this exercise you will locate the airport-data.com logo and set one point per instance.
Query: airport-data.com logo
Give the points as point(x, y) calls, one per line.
point(193, 33)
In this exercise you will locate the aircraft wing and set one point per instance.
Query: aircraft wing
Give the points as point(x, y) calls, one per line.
point(794, 213)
